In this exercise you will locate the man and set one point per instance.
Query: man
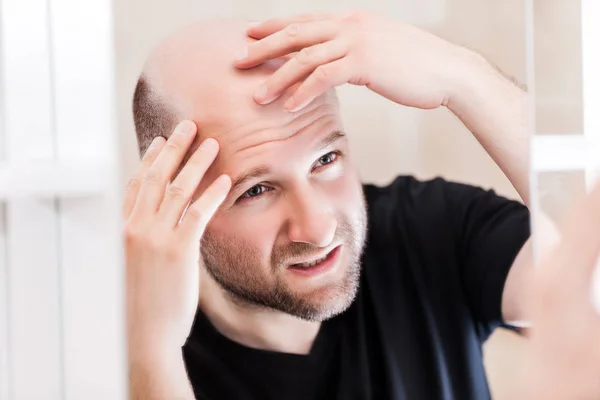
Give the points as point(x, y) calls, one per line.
point(310, 284)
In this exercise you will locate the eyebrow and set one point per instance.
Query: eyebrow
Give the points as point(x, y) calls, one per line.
point(330, 139)
point(262, 170)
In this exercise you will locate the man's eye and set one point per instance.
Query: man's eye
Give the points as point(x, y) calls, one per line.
point(254, 191)
point(326, 159)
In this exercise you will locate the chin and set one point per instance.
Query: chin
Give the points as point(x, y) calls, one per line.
point(336, 309)
point(329, 302)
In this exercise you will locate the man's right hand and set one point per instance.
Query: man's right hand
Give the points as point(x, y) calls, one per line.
point(163, 248)
point(562, 353)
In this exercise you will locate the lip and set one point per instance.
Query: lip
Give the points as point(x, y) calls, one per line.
point(331, 260)
point(324, 254)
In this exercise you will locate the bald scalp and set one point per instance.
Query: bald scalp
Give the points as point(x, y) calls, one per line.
point(181, 74)
point(191, 75)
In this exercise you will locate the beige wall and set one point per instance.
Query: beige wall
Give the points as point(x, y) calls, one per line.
point(407, 141)
point(558, 65)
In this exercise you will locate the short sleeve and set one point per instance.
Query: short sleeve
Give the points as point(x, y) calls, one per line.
point(456, 239)
point(489, 231)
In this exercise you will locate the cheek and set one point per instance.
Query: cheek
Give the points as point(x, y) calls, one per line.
point(345, 192)
point(246, 231)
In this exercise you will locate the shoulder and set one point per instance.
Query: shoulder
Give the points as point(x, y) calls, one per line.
point(433, 208)
point(405, 207)
point(406, 195)
point(438, 193)
point(403, 193)
point(407, 188)
point(402, 188)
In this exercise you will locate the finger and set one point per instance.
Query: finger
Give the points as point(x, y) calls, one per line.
point(298, 68)
point(202, 210)
point(156, 178)
point(580, 247)
point(269, 27)
point(320, 81)
point(179, 193)
point(133, 186)
point(293, 38)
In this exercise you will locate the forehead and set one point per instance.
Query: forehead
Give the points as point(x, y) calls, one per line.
point(273, 141)
point(273, 137)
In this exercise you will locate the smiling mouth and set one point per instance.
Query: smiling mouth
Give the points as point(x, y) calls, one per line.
point(314, 263)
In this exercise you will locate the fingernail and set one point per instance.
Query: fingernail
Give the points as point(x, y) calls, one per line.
point(155, 142)
point(224, 180)
point(291, 106)
point(242, 54)
point(253, 24)
point(186, 127)
point(260, 93)
point(209, 144)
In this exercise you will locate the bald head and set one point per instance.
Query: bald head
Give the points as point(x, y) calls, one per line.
point(191, 75)
point(295, 192)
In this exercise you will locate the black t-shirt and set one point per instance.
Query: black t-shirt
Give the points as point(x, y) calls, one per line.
point(434, 268)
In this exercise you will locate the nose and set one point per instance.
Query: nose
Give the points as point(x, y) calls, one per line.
point(312, 219)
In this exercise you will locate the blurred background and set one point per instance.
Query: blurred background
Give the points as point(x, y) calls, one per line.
point(67, 147)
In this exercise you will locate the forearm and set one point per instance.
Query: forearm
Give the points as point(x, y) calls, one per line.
point(494, 109)
point(158, 375)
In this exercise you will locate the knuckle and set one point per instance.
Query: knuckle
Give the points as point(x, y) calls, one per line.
point(305, 55)
point(175, 191)
point(195, 213)
point(151, 178)
point(128, 232)
point(322, 74)
point(131, 233)
point(172, 145)
point(292, 30)
point(133, 184)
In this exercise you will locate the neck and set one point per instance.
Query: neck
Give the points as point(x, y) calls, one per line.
point(255, 327)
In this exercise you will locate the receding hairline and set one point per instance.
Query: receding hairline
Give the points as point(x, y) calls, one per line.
point(153, 115)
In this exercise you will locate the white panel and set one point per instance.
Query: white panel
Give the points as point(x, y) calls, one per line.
point(93, 302)
point(51, 179)
point(90, 235)
point(4, 347)
point(83, 65)
point(31, 226)
point(34, 316)
point(590, 31)
point(561, 153)
point(28, 114)
point(530, 114)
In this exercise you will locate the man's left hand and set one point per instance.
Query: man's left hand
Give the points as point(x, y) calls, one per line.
point(402, 63)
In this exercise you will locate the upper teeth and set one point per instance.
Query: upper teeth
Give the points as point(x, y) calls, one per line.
point(313, 263)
